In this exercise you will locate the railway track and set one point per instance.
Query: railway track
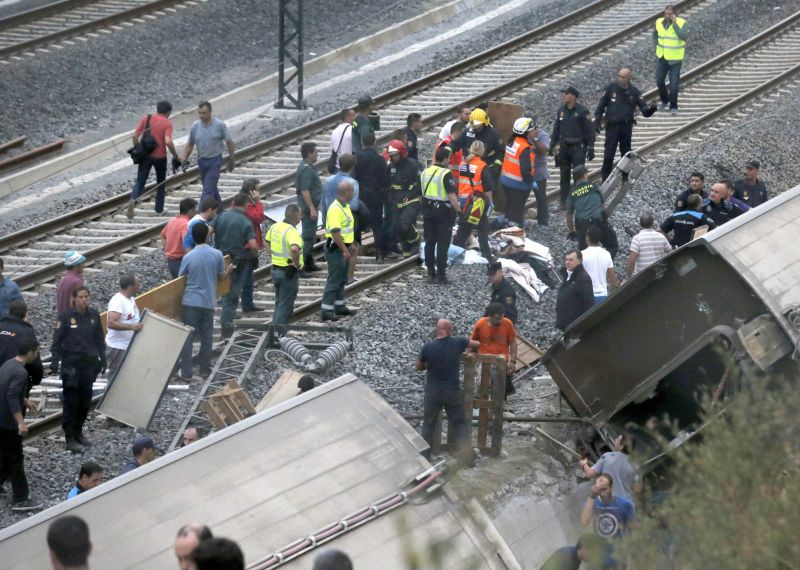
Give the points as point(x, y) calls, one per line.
point(57, 25)
point(723, 88)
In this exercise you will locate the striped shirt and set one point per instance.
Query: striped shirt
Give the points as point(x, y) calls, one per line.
point(651, 246)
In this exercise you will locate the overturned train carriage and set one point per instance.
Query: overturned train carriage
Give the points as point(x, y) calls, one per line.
point(710, 317)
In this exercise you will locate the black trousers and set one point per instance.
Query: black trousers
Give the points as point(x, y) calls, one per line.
point(617, 134)
point(569, 156)
point(437, 226)
point(452, 400)
point(465, 228)
point(608, 236)
point(12, 465)
point(515, 204)
point(376, 204)
point(542, 211)
point(77, 380)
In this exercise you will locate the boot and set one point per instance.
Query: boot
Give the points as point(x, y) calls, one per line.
point(82, 440)
point(329, 316)
point(225, 333)
point(309, 265)
point(442, 279)
point(432, 275)
point(73, 445)
point(344, 311)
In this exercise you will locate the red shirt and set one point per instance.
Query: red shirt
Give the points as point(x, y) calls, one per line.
point(494, 340)
point(160, 128)
point(173, 234)
point(255, 213)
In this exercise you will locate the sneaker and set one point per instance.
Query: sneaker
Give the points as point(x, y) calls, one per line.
point(674, 111)
point(181, 378)
point(27, 505)
point(162, 213)
point(663, 106)
point(130, 210)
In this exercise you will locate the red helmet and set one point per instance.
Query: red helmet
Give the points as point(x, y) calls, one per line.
point(396, 146)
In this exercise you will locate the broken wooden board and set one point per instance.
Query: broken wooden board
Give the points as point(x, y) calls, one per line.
point(228, 406)
point(528, 353)
point(285, 387)
point(698, 231)
point(166, 299)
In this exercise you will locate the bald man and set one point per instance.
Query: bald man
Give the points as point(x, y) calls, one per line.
point(441, 357)
point(190, 436)
point(189, 536)
point(618, 103)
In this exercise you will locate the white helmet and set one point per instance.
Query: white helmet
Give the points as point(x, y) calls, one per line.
point(523, 125)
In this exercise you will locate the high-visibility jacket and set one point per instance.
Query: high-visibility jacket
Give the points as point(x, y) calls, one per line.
point(511, 166)
point(282, 236)
point(470, 177)
point(340, 218)
point(455, 157)
point(432, 183)
point(669, 45)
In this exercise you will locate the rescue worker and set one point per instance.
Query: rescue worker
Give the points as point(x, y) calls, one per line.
point(79, 345)
point(480, 129)
point(669, 37)
point(585, 205)
point(475, 185)
point(618, 104)
point(455, 157)
point(572, 141)
point(285, 246)
point(502, 292)
point(404, 196)
point(439, 207)
point(721, 206)
point(340, 233)
point(696, 186)
point(517, 172)
point(682, 224)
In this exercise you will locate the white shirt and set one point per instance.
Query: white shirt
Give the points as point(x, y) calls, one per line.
point(347, 142)
point(129, 315)
point(596, 262)
point(445, 132)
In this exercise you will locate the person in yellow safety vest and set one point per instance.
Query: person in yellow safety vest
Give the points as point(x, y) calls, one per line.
point(404, 195)
point(455, 157)
point(516, 175)
point(475, 183)
point(340, 233)
point(439, 209)
point(669, 36)
point(285, 244)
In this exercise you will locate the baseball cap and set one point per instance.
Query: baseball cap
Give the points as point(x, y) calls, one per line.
point(141, 443)
point(571, 90)
point(753, 164)
point(73, 258)
point(365, 100)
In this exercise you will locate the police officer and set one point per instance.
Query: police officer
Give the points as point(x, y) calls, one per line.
point(340, 233)
point(751, 189)
point(682, 224)
point(502, 291)
point(721, 206)
point(439, 207)
point(479, 129)
point(618, 103)
point(285, 245)
point(697, 183)
point(573, 133)
point(79, 346)
point(14, 329)
point(585, 204)
point(517, 173)
point(404, 196)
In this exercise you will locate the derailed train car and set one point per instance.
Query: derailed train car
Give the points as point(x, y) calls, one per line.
point(722, 310)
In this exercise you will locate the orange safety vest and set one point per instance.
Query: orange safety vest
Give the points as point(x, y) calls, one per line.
point(511, 166)
point(470, 179)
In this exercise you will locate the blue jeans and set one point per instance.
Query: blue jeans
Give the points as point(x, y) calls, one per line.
point(663, 68)
point(231, 301)
point(209, 174)
point(160, 164)
point(174, 266)
point(599, 299)
point(202, 320)
point(285, 293)
point(247, 288)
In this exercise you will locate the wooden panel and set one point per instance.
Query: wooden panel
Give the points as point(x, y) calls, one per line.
point(285, 387)
point(527, 353)
point(166, 299)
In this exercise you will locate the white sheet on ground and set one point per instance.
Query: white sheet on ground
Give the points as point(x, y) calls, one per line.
point(524, 275)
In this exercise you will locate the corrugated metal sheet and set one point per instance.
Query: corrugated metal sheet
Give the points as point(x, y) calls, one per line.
point(266, 482)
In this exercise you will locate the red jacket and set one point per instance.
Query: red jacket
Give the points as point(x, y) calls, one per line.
point(255, 213)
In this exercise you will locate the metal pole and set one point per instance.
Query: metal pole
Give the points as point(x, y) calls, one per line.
point(281, 53)
point(290, 50)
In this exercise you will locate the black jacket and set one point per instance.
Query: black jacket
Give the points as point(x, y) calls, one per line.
point(12, 332)
point(506, 296)
point(575, 297)
point(404, 179)
point(573, 126)
point(619, 105)
point(78, 338)
point(491, 139)
point(371, 174)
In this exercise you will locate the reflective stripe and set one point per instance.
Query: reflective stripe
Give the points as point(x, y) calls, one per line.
point(511, 162)
point(279, 244)
point(340, 218)
point(669, 45)
point(470, 179)
point(432, 180)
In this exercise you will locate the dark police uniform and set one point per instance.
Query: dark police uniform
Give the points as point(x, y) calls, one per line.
point(683, 224)
point(574, 132)
point(438, 218)
point(411, 143)
point(492, 142)
point(505, 295)
point(79, 345)
point(586, 201)
point(680, 201)
point(373, 187)
point(13, 332)
point(723, 212)
point(361, 126)
point(752, 195)
point(619, 106)
point(404, 197)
